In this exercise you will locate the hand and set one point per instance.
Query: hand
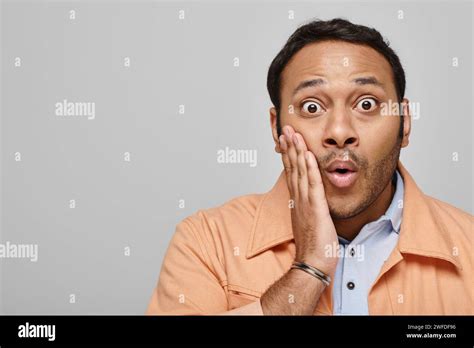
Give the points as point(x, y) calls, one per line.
point(313, 228)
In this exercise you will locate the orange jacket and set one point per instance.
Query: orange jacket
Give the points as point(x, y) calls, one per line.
point(221, 260)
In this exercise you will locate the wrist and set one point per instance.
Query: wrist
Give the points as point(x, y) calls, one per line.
point(313, 271)
point(325, 265)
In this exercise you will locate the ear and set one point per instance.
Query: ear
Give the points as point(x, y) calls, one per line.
point(273, 125)
point(406, 122)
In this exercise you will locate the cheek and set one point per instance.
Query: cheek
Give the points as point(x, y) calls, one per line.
point(309, 130)
point(312, 139)
point(379, 138)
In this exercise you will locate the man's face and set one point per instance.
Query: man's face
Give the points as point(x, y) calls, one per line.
point(341, 117)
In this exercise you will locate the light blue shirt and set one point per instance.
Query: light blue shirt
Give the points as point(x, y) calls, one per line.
point(363, 257)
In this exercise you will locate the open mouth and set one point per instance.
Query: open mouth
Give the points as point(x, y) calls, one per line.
point(342, 174)
point(342, 170)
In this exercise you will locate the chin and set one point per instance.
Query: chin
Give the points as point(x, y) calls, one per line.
point(342, 207)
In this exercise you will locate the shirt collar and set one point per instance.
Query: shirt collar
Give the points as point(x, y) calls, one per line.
point(395, 210)
point(420, 231)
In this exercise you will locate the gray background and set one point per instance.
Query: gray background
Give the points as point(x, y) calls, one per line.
point(173, 156)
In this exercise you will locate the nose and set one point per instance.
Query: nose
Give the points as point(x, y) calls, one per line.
point(339, 131)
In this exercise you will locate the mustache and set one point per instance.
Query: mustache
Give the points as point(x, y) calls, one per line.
point(343, 155)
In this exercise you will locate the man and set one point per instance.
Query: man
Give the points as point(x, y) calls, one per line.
point(345, 230)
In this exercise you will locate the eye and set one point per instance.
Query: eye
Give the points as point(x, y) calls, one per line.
point(367, 104)
point(311, 107)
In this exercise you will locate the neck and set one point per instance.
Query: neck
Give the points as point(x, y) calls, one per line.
point(350, 228)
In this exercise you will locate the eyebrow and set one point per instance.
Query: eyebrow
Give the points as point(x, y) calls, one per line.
point(367, 80)
point(309, 83)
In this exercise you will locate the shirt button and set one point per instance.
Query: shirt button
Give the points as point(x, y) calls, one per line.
point(352, 252)
point(350, 285)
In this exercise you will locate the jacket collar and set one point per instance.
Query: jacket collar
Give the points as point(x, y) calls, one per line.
point(422, 232)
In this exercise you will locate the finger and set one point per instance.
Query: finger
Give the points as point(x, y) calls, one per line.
point(316, 192)
point(286, 162)
point(300, 147)
point(293, 159)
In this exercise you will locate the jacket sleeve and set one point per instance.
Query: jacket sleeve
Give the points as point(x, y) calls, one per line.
point(188, 284)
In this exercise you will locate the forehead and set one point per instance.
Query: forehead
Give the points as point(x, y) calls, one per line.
point(336, 62)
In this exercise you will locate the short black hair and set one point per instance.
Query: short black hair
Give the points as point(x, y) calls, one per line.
point(337, 29)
